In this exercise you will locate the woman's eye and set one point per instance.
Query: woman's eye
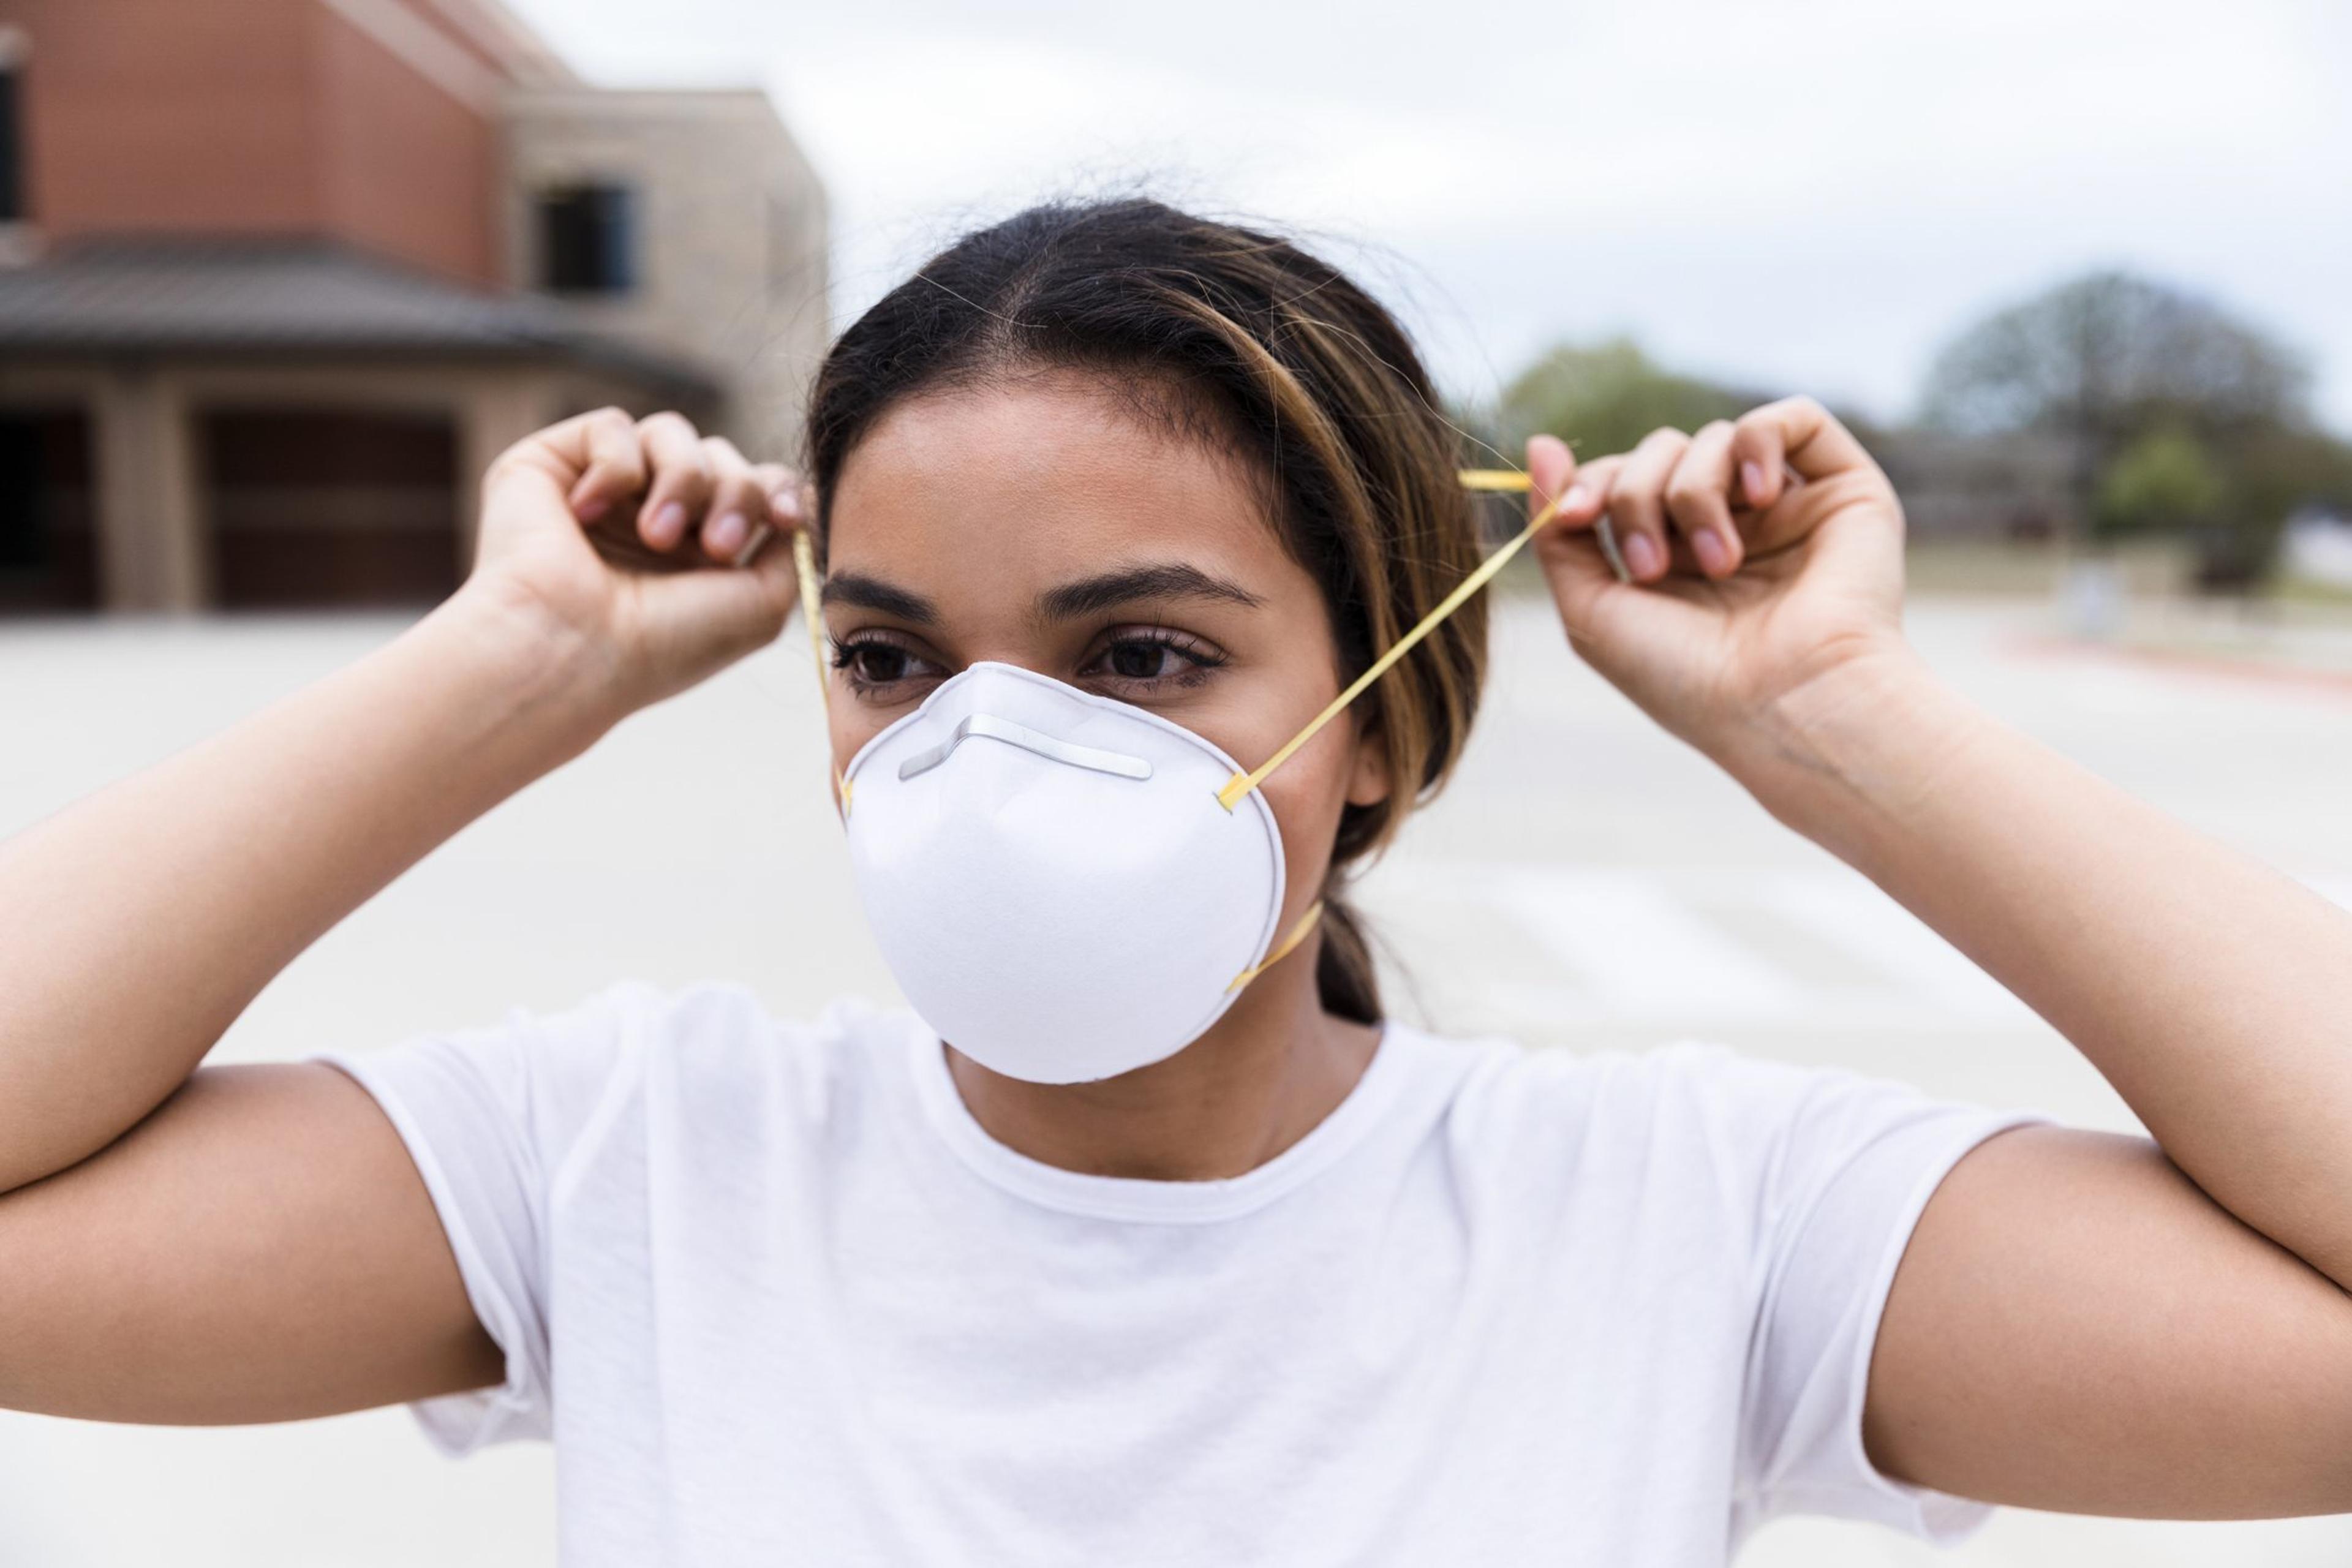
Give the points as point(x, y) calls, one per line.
point(878, 663)
point(1163, 656)
point(873, 663)
point(1142, 661)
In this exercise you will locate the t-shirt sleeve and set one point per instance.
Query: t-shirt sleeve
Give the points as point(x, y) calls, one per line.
point(1844, 1165)
point(489, 1116)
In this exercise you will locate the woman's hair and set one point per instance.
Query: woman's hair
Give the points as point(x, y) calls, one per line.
point(1274, 354)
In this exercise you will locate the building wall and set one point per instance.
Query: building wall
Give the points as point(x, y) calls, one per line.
point(407, 165)
point(161, 115)
point(370, 121)
point(731, 230)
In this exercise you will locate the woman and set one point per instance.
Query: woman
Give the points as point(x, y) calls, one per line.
point(1101, 1256)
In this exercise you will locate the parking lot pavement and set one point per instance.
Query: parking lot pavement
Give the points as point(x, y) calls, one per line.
point(1585, 882)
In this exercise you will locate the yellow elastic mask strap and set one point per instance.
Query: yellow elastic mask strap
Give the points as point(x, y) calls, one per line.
point(1237, 788)
point(804, 563)
point(1281, 948)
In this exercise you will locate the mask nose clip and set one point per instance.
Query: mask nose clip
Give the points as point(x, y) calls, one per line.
point(990, 727)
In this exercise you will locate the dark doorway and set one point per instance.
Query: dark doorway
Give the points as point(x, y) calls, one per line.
point(48, 547)
point(316, 509)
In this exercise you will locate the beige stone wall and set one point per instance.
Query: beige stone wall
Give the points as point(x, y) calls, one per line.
point(731, 236)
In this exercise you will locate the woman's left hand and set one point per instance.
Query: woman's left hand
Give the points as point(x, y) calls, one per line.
point(1765, 555)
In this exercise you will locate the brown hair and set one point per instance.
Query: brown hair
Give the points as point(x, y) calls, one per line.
point(1314, 382)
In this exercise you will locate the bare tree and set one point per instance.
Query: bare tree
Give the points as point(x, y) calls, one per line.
point(2105, 360)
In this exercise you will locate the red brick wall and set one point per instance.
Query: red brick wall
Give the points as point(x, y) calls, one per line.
point(405, 169)
point(167, 115)
point(248, 117)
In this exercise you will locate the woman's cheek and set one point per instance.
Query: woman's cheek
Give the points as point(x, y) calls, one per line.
point(1306, 798)
point(850, 731)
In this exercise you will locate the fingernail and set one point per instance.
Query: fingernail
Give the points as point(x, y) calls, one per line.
point(1607, 535)
point(1752, 479)
point(757, 543)
point(1713, 558)
point(591, 509)
point(669, 524)
point(1577, 497)
point(786, 504)
point(726, 536)
point(1641, 556)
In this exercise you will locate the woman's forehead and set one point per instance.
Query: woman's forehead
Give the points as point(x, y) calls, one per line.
point(1043, 473)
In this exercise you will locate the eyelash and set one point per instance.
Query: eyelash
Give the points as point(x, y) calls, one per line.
point(1198, 655)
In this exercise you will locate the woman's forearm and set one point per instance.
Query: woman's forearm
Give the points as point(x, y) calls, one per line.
point(2213, 993)
point(135, 926)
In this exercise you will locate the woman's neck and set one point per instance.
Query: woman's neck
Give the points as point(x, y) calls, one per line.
point(1263, 1078)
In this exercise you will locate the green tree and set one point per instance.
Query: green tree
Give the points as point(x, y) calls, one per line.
point(1603, 397)
point(2166, 480)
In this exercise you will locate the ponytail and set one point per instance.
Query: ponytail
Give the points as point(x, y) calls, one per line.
point(1344, 976)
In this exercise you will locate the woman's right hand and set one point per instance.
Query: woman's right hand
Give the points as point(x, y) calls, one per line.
point(641, 544)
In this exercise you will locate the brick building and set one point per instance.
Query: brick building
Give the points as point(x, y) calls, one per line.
point(278, 277)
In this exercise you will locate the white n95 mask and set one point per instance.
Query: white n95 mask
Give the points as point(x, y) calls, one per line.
point(1051, 878)
point(1068, 887)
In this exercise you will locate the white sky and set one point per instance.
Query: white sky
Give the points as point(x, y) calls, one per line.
point(1803, 195)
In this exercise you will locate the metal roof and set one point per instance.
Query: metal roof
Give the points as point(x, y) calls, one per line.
point(243, 298)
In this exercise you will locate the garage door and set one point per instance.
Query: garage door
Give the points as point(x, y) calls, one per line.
point(320, 509)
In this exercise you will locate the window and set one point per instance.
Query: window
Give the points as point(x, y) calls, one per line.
point(587, 240)
point(12, 148)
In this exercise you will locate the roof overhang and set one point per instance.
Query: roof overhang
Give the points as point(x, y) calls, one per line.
point(243, 299)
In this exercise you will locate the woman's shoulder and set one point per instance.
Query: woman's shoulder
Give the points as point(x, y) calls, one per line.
point(722, 1037)
point(711, 1056)
point(1634, 1107)
point(1506, 1072)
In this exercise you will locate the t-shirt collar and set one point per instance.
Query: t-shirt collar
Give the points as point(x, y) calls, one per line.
point(1142, 1199)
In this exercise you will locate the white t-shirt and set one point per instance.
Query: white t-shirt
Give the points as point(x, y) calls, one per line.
point(779, 1298)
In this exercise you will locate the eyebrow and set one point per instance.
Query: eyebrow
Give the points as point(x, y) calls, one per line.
point(885, 598)
point(1070, 602)
point(1174, 580)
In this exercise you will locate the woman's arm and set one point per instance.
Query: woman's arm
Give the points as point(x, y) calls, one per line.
point(136, 925)
point(2076, 1324)
point(265, 1212)
point(2213, 991)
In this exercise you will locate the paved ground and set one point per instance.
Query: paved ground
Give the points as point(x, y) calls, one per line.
point(1580, 871)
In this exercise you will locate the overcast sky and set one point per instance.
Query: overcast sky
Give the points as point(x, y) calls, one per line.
point(1812, 194)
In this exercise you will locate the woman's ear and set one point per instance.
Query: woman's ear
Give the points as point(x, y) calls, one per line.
point(1368, 773)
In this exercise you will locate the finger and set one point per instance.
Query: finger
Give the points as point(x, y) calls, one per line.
point(1637, 502)
point(1554, 478)
point(1580, 565)
point(613, 464)
point(787, 507)
point(1802, 434)
point(682, 480)
point(711, 617)
point(738, 504)
point(1599, 478)
point(781, 488)
point(1551, 469)
point(1698, 499)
